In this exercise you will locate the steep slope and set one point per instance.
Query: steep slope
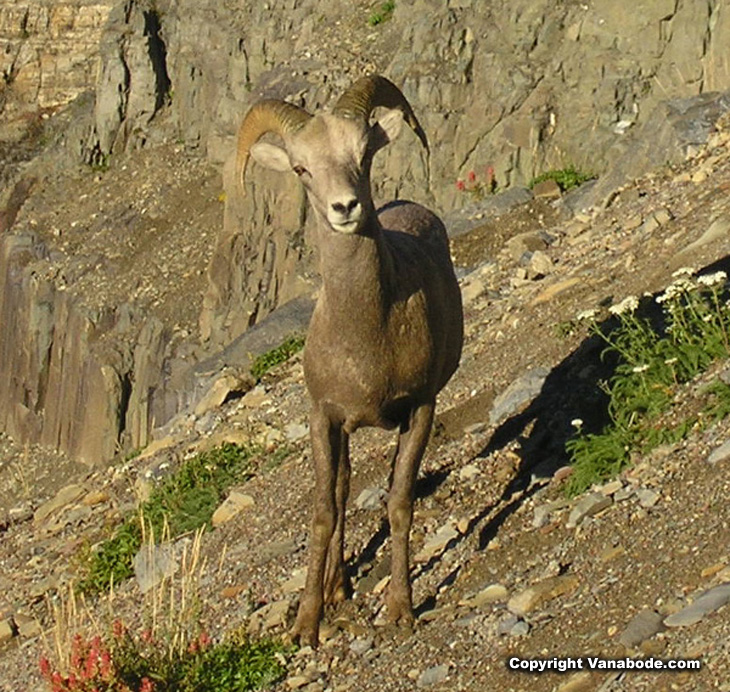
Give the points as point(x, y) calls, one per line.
point(486, 478)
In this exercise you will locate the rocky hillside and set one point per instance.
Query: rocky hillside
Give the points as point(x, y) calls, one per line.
point(504, 564)
point(135, 285)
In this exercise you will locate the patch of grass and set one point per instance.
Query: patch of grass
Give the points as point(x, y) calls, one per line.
point(566, 178)
point(263, 363)
point(654, 358)
point(382, 14)
point(184, 501)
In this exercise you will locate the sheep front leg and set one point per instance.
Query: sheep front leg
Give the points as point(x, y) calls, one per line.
point(411, 446)
point(326, 444)
point(336, 584)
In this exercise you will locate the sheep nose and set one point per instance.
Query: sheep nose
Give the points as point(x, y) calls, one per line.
point(345, 208)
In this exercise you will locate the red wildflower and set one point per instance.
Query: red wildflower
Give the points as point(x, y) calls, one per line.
point(45, 666)
point(147, 636)
point(106, 664)
point(472, 176)
point(460, 185)
point(118, 629)
point(146, 685)
point(76, 647)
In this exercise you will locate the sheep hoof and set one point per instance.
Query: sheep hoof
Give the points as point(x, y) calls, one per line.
point(305, 633)
point(400, 612)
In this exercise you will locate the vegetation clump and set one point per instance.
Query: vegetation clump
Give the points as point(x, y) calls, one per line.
point(654, 359)
point(126, 662)
point(478, 188)
point(184, 501)
point(170, 651)
point(382, 14)
point(276, 356)
point(566, 178)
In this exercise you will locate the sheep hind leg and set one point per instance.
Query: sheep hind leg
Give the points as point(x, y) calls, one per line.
point(411, 446)
point(336, 582)
point(326, 444)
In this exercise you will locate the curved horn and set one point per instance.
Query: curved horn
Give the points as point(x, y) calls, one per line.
point(367, 93)
point(269, 115)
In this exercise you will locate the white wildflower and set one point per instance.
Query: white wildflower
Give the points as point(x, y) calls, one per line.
point(670, 361)
point(640, 368)
point(681, 285)
point(712, 279)
point(586, 315)
point(628, 304)
point(708, 318)
point(683, 271)
point(577, 422)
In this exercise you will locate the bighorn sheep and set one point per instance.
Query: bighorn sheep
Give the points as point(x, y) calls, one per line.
point(387, 330)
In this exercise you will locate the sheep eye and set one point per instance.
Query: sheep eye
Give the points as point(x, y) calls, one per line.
point(299, 170)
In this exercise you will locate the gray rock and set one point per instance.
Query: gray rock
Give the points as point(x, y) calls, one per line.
point(437, 542)
point(519, 393)
point(524, 245)
point(624, 494)
point(720, 454)
point(703, 605)
point(269, 616)
point(719, 228)
point(671, 132)
point(540, 265)
point(540, 593)
point(469, 472)
point(233, 505)
point(371, 498)
point(647, 497)
point(7, 630)
point(488, 595)
point(296, 431)
point(520, 629)
point(505, 625)
point(588, 506)
point(152, 564)
point(643, 626)
point(361, 646)
point(60, 501)
point(543, 512)
point(433, 675)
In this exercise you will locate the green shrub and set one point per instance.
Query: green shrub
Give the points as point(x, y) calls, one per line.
point(566, 178)
point(146, 662)
point(653, 361)
point(277, 355)
point(184, 501)
point(383, 14)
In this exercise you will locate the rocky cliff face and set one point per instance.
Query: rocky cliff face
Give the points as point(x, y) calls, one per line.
point(48, 50)
point(519, 86)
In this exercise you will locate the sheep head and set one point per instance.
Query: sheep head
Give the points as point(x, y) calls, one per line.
point(331, 153)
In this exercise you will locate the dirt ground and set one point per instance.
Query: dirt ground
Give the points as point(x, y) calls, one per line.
point(482, 479)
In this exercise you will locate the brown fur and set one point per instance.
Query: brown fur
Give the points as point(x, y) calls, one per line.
point(385, 337)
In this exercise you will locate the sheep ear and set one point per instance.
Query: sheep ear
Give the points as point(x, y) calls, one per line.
point(387, 127)
point(271, 156)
